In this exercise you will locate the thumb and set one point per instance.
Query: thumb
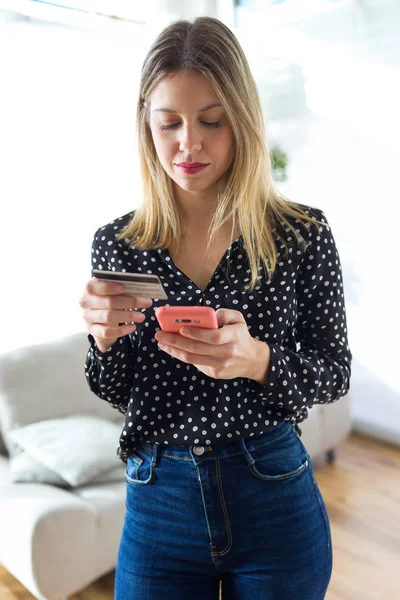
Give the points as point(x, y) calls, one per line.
point(227, 316)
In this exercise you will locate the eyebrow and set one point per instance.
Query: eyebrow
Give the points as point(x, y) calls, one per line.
point(171, 110)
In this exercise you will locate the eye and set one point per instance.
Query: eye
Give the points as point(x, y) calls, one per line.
point(216, 124)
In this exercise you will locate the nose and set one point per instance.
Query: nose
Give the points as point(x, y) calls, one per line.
point(190, 140)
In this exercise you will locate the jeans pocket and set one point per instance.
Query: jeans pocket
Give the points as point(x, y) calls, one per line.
point(140, 468)
point(279, 459)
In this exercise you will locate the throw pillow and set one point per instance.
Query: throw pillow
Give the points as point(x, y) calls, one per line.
point(76, 449)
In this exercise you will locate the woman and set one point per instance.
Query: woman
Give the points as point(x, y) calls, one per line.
point(219, 485)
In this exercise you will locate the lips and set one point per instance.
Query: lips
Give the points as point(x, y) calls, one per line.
point(189, 170)
point(191, 165)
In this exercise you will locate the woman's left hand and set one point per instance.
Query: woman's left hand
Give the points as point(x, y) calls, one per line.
point(223, 353)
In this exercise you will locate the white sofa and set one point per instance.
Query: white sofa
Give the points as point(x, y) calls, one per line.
point(55, 541)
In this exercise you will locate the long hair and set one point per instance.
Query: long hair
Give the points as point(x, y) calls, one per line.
point(246, 195)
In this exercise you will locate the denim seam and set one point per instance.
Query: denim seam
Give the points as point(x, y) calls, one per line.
point(205, 509)
point(227, 523)
point(322, 512)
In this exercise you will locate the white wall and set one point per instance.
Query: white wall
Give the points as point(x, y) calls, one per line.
point(67, 152)
point(330, 87)
point(187, 10)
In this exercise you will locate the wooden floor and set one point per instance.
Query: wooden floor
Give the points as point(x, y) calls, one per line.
point(361, 490)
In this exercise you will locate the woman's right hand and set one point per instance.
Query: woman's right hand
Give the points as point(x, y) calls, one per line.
point(104, 311)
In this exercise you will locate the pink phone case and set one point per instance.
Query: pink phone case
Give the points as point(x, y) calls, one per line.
point(173, 318)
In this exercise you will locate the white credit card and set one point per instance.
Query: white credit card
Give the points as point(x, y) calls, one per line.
point(135, 284)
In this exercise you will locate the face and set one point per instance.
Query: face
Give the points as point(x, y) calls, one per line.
point(189, 134)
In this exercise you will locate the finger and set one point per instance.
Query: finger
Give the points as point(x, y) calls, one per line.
point(103, 288)
point(188, 357)
point(117, 301)
point(228, 316)
point(105, 331)
point(108, 288)
point(113, 318)
point(112, 303)
point(196, 347)
point(215, 337)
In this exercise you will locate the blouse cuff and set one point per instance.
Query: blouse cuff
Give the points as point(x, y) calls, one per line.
point(95, 350)
point(269, 390)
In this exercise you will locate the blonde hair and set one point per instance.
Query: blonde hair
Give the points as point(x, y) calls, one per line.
point(247, 196)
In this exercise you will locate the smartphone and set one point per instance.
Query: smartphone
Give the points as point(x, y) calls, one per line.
point(173, 318)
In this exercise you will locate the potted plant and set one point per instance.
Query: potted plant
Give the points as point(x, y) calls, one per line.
point(279, 163)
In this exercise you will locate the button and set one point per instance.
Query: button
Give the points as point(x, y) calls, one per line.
point(199, 450)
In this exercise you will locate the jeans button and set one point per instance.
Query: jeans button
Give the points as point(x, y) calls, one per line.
point(199, 450)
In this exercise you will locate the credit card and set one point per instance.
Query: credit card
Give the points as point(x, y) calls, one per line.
point(135, 284)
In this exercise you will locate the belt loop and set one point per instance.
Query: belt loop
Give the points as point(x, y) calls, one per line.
point(298, 431)
point(156, 454)
point(245, 451)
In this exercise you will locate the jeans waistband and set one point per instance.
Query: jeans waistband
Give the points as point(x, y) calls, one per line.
point(219, 450)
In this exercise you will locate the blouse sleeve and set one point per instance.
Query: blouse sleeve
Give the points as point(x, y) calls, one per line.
point(109, 374)
point(319, 372)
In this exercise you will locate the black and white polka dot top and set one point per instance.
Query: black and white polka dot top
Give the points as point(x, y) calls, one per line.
point(300, 313)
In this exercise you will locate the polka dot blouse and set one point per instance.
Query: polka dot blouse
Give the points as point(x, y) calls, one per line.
point(300, 314)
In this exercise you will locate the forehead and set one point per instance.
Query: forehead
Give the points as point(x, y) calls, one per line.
point(184, 89)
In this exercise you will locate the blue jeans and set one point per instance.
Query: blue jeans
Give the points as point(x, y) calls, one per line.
point(248, 512)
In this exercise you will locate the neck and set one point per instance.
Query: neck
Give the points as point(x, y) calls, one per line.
point(196, 209)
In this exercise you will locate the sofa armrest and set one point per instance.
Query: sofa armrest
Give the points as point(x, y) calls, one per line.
point(336, 422)
point(326, 427)
point(48, 539)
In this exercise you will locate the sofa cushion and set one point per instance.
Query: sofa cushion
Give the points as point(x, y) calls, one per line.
point(71, 451)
